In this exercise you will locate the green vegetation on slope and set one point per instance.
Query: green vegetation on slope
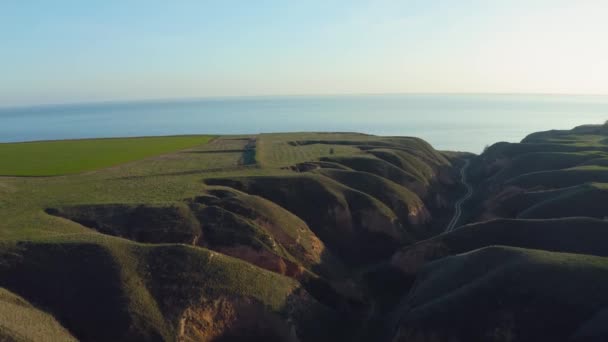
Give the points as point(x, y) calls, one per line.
point(113, 289)
point(556, 167)
point(405, 204)
point(51, 158)
point(562, 178)
point(584, 200)
point(208, 221)
point(357, 226)
point(20, 321)
point(180, 246)
point(542, 161)
point(224, 220)
point(508, 294)
point(570, 235)
point(509, 279)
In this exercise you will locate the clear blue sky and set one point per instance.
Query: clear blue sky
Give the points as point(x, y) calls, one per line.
point(72, 51)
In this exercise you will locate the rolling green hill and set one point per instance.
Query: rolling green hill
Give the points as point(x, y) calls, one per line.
point(112, 289)
point(585, 200)
point(556, 167)
point(21, 321)
point(531, 263)
point(570, 235)
point(306, 237)
point(238, 237)
point(508, 294)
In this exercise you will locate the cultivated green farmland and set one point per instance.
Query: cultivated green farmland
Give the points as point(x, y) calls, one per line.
point(52, 158)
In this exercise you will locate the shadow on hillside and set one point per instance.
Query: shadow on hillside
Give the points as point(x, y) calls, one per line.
point(79, 283)
point(192, 172)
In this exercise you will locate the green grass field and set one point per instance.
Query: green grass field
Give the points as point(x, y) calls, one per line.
point(284, 149)
point(52, 158)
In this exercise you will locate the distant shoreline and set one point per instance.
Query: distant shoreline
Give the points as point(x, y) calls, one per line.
point(448, 122)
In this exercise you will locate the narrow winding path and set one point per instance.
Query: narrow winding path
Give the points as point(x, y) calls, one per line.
point(395, 318)
point(460, 202)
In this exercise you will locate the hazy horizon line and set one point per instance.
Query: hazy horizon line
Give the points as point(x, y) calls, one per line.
point(302, 95)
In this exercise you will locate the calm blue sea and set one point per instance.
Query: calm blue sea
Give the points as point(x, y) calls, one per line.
point(449, 122)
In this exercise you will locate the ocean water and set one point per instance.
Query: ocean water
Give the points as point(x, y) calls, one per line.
point(448, 122)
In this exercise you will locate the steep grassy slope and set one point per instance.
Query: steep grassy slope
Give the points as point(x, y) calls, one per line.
point(21, 321)
point(526, 163)
point(413, 158)
point(74, 275)
point(511, 279)
point(570, 235)
point(371, 164)
point(561, 178)
point(355, 225)
point(314, 237)
point(225, 220)
point(557, 167)
point(584, 200)
point(116, 290)
point(404, 203)
point(508, 294)
point(361, 207)
point(242, 237)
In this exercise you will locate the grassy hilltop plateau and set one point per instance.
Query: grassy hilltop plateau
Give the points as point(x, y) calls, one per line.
point(304, 237)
